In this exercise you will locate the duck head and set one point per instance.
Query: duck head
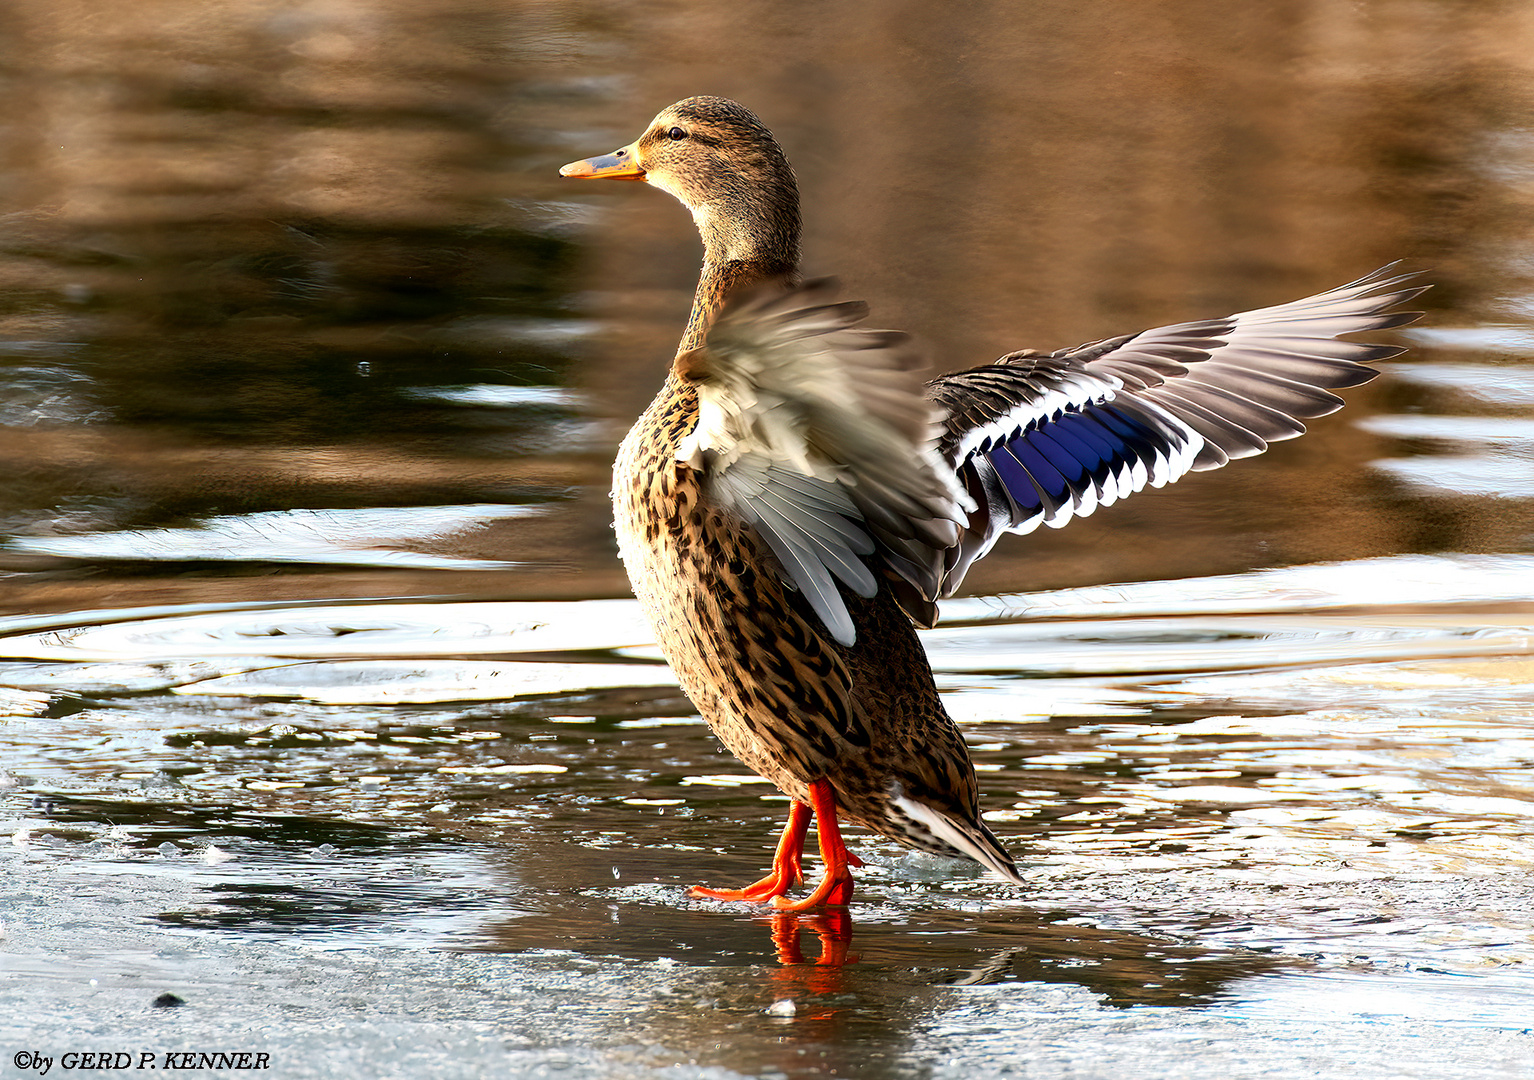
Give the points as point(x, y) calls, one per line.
point(723, 164)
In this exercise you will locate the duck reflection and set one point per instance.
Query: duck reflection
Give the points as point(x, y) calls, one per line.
point(1157, 959)
point(832, 926)
point(851, 991)
point(1123, 968)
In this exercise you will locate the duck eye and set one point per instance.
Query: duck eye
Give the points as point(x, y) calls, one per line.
point(677, 133)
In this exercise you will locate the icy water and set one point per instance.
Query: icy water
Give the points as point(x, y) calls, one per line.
point(323, 705)
point(453, 838)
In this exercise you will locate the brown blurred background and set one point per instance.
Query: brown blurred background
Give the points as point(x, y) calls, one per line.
point(260, 256)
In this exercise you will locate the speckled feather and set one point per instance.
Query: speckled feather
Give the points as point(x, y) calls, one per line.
point(781, 695)
point(1031, 440)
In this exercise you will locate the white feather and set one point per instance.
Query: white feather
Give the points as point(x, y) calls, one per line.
point(946, 830)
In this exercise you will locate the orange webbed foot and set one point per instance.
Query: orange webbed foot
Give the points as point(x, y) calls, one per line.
point(787, 865)
point(834, 889)
point(773, 885)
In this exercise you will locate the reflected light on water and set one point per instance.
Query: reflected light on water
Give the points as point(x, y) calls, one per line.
point(1206, 842)
point(363, 537)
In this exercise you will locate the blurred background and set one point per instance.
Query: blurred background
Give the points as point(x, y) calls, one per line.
point(293, 303)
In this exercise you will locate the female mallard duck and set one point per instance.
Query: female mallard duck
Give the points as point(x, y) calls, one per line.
point(794, 497)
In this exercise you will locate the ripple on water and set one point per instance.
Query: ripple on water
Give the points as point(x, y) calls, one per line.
point(1204, 816)
point(362, 682)
point(370, 536)
point(337, 631)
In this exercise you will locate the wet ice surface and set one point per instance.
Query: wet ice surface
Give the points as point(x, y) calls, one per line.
point(1293, 838)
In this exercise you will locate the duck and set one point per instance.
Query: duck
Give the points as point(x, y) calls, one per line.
point(797, 499)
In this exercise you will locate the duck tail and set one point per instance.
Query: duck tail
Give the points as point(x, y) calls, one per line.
point(970, 839)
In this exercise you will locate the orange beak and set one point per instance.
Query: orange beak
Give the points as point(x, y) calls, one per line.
point(619, 165)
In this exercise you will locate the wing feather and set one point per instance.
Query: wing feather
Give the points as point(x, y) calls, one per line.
point(1040, 439)
point(817, 433)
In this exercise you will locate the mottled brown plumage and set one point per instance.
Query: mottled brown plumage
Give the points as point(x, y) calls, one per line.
point(793, 496)
point(794, 705)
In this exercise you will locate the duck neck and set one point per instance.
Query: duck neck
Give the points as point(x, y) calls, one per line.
point(721, 280)
point(746, 244)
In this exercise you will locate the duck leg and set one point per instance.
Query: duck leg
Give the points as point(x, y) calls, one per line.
point(787, 864)
point(836, 886)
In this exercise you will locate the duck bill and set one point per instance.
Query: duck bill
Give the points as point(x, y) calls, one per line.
point(619, 165)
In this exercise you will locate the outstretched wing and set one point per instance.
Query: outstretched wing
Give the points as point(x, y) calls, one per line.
point(1037, 440)
point(820, 435)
